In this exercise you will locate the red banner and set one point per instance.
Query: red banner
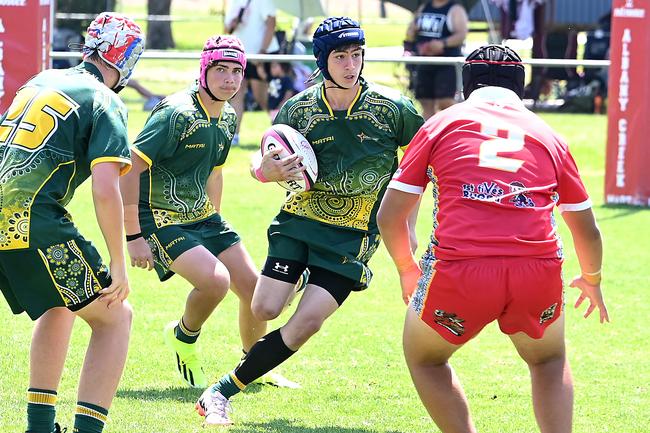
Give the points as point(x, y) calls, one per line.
point(25, 41)
point(627, 177)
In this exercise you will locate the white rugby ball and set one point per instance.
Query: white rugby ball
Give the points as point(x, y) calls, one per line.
point(292, 142)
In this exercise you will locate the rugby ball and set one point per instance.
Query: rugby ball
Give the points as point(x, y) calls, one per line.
point(292, 142)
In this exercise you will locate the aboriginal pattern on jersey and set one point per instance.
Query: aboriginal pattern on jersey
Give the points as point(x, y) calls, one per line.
point(27, 162)
point(178, 182)
point(71, 274)
point(348, 186)
point(177, 192)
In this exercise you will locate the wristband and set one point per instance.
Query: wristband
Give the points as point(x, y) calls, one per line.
point(259, 175)
point(591, 278)
point(592, 274)
point(133, 237)
point(444, 43)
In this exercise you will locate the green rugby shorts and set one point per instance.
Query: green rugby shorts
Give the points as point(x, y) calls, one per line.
point(342, 251)
point(69, 274)
point(169, 242)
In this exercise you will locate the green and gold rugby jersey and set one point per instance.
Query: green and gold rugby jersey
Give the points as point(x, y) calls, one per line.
point(356, 151)
point(59, 125)
point(182, 144)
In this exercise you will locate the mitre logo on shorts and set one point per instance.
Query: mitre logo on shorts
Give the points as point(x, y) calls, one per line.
point(449, 321)
point(547, 314)
point(174, 242)
point(230, 54)
point(282, 269)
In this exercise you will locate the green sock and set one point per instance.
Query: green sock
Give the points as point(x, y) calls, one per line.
point(40, 410)
point(228, 385)
point(89, 418)
point(184, 334)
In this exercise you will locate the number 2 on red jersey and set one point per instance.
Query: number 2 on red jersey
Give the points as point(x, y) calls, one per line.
point(488, 150)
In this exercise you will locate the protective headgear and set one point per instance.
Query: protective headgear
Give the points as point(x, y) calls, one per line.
point(117, 40)
point(332, 33)
point(220, 49)
point(493, 65)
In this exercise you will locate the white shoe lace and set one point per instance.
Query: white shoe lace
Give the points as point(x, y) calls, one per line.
point(217, 409)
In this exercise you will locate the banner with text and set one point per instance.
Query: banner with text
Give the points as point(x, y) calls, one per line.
point(627, 177)
point(25, 41)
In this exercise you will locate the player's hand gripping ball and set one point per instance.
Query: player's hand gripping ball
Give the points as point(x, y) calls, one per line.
point(292, 142)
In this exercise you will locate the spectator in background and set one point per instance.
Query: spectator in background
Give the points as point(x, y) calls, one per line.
point(439, 28)
point(281, 86)
point(302, 44)
point(253, 22)
point(150, 98)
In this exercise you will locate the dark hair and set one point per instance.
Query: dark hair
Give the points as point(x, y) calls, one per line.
point(332, 33)
point(493, 65)
point(347, 47)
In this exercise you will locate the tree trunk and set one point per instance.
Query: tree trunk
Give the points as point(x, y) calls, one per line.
point(159, 33)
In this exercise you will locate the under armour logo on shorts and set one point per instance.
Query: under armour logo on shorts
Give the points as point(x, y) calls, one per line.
point(283, 269)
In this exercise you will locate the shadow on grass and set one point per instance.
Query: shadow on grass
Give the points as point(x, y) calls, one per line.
point(285, 425)
point(623, 211)
point(178, 393)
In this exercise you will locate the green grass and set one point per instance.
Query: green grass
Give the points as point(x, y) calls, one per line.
point(353, 374)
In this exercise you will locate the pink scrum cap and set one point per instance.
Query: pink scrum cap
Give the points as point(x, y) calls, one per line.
point(221, 49)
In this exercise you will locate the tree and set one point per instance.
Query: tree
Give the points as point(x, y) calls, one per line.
point(91, 7)
point(159, 33)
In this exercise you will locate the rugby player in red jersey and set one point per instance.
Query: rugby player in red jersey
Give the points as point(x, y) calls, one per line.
point(497, 172)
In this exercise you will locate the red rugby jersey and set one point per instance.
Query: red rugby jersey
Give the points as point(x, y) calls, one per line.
point(497, 172)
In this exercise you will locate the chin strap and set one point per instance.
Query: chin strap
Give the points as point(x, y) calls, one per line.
point(211, 95)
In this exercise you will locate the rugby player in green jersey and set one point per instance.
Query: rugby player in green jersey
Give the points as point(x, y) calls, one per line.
point(355, 128)
point(172, 201)
point(62, 127)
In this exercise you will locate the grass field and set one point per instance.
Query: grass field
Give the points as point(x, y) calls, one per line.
point(353, 376)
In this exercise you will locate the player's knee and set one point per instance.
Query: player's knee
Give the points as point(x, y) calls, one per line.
point(264, 310)
point(126, 315)
point(545, 359)
point(118, 318)
point(218, 285)
point(308, 327)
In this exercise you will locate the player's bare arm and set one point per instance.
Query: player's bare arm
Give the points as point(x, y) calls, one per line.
point(589, 249)
point(108, 210)
point(393, 221)
point(139, 250)
point(460, 23)
point(412, 220)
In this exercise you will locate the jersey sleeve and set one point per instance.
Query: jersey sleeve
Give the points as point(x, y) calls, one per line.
point(160, 135)
point(267, 9)
point(411, 121)
point(411, 176)
point(108, 140)
point(283, 116)
point(572, 193)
